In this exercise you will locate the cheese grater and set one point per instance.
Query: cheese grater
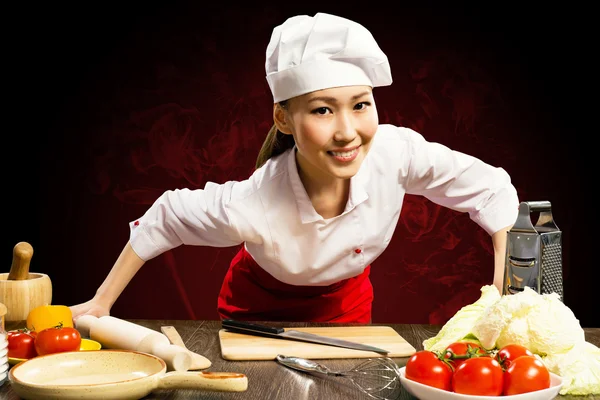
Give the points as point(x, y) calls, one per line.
point(534, 252)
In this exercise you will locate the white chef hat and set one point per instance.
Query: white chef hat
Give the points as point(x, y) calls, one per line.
point(313, 53)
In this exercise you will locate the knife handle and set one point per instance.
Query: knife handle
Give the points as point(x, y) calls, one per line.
point(250, 327)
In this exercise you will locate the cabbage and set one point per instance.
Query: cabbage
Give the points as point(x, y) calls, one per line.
point(459, 326)
point(491, 324)
point(553, 327)
point(542, 323)
point(579, 367)
point(547, 327)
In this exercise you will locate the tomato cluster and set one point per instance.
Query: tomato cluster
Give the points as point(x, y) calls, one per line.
point(23, 343)
point(465, 367)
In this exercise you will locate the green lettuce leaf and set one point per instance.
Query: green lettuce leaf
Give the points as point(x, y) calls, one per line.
point(459, 326)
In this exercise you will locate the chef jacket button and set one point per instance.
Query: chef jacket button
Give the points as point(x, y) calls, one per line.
point(136, 223)
point(358, 251)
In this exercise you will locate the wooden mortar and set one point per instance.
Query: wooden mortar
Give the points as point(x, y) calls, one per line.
point(2, 314)
point(22, 291)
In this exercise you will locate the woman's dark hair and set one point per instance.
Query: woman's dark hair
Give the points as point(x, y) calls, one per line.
point(276, 143)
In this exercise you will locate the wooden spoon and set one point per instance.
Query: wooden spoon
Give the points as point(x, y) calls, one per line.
point(198, 361)
point(19, 270)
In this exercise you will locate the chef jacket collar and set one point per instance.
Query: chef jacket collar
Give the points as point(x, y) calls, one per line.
point(358, 192)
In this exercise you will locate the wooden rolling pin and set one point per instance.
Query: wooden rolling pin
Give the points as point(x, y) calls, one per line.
point(198, 361)
point(115, 333)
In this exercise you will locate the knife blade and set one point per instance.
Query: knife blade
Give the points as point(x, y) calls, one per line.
point(258, 329)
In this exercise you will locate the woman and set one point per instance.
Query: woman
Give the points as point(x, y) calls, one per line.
point(327, 193)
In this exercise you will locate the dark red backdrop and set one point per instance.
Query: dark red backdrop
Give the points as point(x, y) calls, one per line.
point(115, 106)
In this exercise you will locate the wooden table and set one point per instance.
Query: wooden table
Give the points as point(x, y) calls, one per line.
point(268, 380)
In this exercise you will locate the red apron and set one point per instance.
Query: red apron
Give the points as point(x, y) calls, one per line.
point(250, 293)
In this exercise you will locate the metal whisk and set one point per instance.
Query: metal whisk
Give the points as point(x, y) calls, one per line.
point(377, 377)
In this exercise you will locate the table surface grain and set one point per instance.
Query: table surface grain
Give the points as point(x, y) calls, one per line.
point(268, 380)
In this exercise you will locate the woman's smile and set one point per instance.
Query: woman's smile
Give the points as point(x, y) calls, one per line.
point(344, 155)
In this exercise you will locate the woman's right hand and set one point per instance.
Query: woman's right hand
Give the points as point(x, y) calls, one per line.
point(92, 307)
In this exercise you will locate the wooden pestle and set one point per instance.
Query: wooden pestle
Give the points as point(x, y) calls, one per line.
point(22, 290)
point(22, 254)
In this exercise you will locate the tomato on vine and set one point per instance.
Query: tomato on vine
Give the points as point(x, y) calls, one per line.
point(458, 352)
point(21, 343)
point(429, 368)
point(526, 374)
point(507, 354)
point(57, 339)
point(479, 376)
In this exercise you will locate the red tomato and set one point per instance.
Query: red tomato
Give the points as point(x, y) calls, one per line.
point(57, 340)
point(458, 352)
point(480, 376)
point(526, 374)
point(427, 368)
point(510, 352)
point(21, 344)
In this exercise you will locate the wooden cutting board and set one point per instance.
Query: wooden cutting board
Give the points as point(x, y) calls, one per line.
point(240, 346)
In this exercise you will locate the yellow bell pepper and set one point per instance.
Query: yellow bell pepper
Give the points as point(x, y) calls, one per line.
point(43, 317)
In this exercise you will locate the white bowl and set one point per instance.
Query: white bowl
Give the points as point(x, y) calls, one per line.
point(425, 392)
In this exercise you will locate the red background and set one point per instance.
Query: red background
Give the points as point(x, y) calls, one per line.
point(111, 107)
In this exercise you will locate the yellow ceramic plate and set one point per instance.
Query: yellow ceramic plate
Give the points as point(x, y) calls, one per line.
point(86, 344)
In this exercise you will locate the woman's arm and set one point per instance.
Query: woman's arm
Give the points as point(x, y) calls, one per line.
point(499, 242)
point(123, 270)
point(462, 183)
point(182, 216)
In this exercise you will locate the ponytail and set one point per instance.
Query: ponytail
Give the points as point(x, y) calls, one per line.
point(275, 144)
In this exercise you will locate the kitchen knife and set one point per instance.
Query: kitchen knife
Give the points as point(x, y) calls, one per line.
point(257, 329)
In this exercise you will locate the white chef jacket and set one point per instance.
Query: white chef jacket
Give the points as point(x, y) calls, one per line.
point(272, 214)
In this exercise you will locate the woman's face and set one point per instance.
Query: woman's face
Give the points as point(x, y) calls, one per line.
point(333, 129)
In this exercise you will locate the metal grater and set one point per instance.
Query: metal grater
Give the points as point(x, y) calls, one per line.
point(534, 252)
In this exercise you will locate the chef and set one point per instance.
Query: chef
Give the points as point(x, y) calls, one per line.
point(326, 194)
